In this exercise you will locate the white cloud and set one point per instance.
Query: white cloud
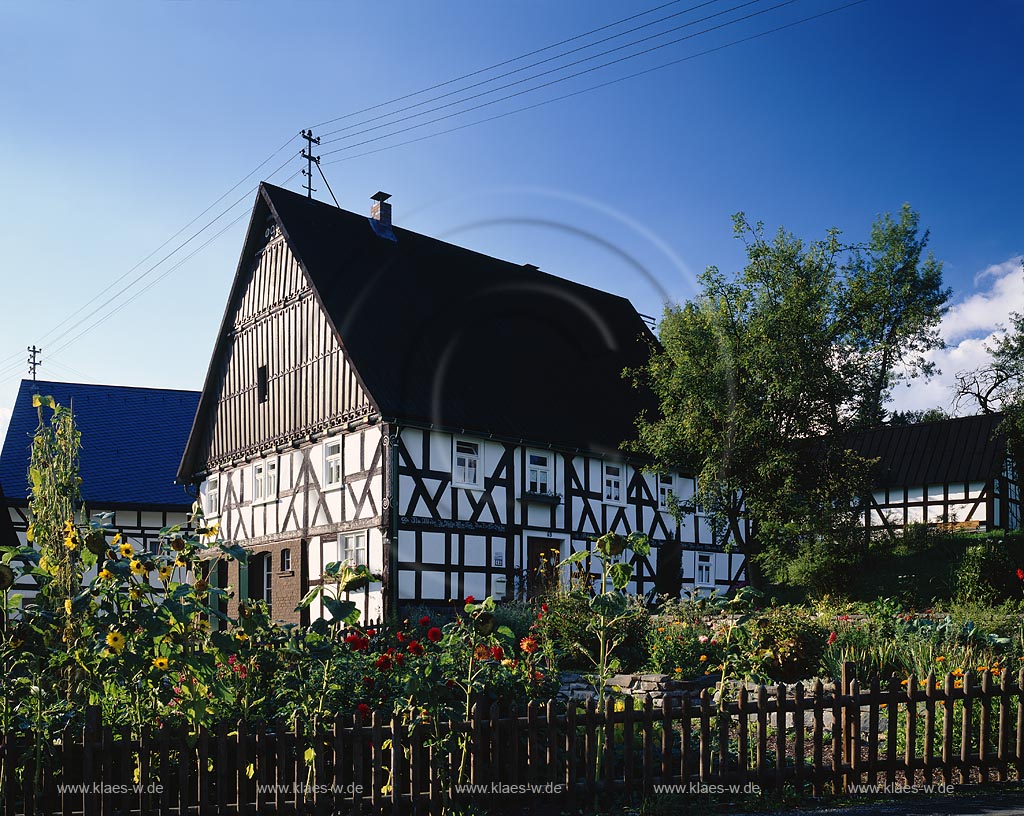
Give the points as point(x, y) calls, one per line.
point(967, 328)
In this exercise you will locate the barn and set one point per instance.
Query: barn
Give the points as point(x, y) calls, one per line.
point(449, 419)
point(132, 440)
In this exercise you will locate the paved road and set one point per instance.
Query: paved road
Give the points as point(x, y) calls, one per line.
point(1002, 803)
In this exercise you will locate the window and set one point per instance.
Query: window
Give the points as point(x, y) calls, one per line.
point(213, 496)
point(267, 578)
point(704, 569)
point(286, 560)
point(666, 492)
point(466, 472)
point(262, 384)
point(332, 464)
point(258, 482)
point(613, 483)
point(353, 547)
point(538, 473)
point(264, 480)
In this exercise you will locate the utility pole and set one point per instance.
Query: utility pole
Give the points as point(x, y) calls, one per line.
point(307, 154)
point(34, 360)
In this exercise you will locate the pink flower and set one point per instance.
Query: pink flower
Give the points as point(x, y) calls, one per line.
point(702, 639)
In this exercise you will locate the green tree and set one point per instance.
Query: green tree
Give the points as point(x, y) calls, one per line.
point(999, 384)
point(761, 376)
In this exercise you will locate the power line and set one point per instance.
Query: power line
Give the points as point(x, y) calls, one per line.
point(496, 65)
point(175, 235)
point(535, 64)
point(166, 272)
point(595, 87)
point(559, 79)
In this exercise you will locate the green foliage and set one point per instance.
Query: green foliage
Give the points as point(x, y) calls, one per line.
point(569, 640)
point(805, 342)
point(784, 644)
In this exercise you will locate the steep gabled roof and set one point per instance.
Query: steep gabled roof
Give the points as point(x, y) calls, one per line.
point(965, 449)
point(132, 440)
point(442, 335)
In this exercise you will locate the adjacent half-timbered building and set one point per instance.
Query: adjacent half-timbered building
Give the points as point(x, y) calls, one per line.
point(954, 472)
point(447, 418)
point(132, 440)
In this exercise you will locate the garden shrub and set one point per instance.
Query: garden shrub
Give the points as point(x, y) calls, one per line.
point(784, 644)
point(563, 628)
point(681, 649)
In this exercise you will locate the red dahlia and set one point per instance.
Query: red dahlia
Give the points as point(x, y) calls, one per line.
point(434, 634)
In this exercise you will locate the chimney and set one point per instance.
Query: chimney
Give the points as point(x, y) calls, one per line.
point(380, 210)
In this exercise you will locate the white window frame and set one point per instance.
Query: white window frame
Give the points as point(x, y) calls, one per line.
point(456, 481)
point(334, 459)
point(212, 508)
point(348, 543)
point(268, 580)
point(666, 480)
point(704, 566)
point(265, 474)
point(286, 559)
point(620, 501)
point(546, 469)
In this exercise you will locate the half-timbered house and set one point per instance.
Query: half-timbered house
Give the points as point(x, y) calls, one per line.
point(952, 472)
point(447, 418)
point(132, 440)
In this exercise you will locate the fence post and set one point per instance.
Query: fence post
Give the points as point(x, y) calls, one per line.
point(965, 728)
point(1019, 752)
point(929, 727)
point(849, 672)
point(91, 805)
point(1004, 723)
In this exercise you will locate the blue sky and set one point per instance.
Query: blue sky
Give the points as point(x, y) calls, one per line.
point(123, 121)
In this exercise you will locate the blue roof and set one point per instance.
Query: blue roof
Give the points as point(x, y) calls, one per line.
point(132, 441)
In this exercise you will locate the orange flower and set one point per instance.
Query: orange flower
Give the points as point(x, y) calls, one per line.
point(528, 645)
point(481, 652)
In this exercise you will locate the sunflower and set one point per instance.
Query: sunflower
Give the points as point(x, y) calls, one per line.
point(67, 606)
point(165, 572)
point(481, 652)
point(528, 645)
point(126, 550)
point(160, 663)
point(105, 574)
point(181, 562)
point(139, 568)
point(115, 540)
point(115, 640)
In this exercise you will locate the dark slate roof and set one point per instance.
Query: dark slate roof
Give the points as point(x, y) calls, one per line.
point(132, 439)
point(965, 449)
point(443, 335)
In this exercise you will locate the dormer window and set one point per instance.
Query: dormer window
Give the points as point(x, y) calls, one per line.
point(466, 470)
point(538, 473)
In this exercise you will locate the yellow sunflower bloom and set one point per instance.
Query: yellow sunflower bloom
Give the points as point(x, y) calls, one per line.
point(115, 640)
point(126, 549)
point(165, 572)
point(115, 540)
point(241, 636)
point(180, 562)
point(135, 594)
point(160, 663)
point(105, 575)
point(139, 568)
point(67, 606)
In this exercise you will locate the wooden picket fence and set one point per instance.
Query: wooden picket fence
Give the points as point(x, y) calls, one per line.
point(817, 741)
